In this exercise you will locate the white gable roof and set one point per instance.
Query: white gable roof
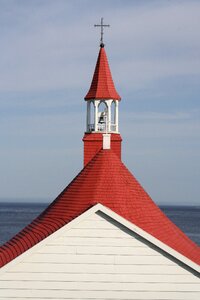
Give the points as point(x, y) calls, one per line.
point(99, 255)
point(110, 214)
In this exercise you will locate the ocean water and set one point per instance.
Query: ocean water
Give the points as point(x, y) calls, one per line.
point(15, 216)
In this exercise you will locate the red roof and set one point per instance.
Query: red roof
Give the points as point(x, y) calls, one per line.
point(104, 180)
point(102, 86)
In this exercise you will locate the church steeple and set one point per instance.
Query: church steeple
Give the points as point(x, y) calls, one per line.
point(102, 122)
point(102, 98)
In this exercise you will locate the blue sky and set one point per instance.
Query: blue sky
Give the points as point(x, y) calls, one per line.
point(47, 57)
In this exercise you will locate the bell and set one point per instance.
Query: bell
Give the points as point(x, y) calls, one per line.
point(101, 119)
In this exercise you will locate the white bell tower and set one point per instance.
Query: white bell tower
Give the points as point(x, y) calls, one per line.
point(102, 116)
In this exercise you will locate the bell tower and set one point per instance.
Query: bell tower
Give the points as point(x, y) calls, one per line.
point(102, 116)
point(102, 120)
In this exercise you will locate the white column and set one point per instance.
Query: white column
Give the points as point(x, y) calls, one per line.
point(96, 103)
point(88, 116)
point(116, 116)
point(109, 102)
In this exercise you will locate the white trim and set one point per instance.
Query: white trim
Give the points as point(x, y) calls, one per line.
point(106, 141)
point(96, 108)
point(117, 116)
point(88, 116)
point(150, 238)
point(100, 208)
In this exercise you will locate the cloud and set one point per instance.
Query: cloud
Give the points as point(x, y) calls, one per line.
point(46, 48)
point(162, 126)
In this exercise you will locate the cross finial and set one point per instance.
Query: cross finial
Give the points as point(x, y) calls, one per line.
point(102, 26)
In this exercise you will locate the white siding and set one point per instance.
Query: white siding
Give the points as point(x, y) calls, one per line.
point(97, 259)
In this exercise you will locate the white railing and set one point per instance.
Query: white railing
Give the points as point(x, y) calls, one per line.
point(101, 127)
point(90, 127)
point(113, 127)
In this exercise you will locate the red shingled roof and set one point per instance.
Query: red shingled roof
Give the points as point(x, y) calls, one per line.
point(104, 180)
point(102, 86)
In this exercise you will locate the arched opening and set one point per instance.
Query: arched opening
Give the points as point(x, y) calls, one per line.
point(91, 116)
point(113, 116)
point(102, 116)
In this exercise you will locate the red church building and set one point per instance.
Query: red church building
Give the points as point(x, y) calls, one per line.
point(103, 237)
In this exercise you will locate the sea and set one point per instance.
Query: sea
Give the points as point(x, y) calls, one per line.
point(15, 216)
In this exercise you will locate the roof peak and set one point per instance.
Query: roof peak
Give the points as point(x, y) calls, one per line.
point(102, 86)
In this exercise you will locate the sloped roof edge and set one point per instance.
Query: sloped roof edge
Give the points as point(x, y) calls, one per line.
point(99, 208)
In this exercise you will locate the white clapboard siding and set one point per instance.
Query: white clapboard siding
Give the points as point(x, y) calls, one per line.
point(97, 268)
point(99, 223)
point(99, 250)
point(102, 298)
point(101, 286)
point(93, 241)
point(69, 294)
point(97, 259)
point(79, 277)
point(98, 232)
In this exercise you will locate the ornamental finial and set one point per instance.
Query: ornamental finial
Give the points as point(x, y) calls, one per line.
point(102, 27)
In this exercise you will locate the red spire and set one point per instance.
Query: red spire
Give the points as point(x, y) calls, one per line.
point(102, 86)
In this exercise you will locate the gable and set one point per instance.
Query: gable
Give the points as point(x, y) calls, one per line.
point(96, 257)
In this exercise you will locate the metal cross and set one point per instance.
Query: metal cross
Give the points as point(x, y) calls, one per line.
point(102, 26)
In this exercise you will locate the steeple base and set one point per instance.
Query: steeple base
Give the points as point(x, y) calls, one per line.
point(93, 142)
